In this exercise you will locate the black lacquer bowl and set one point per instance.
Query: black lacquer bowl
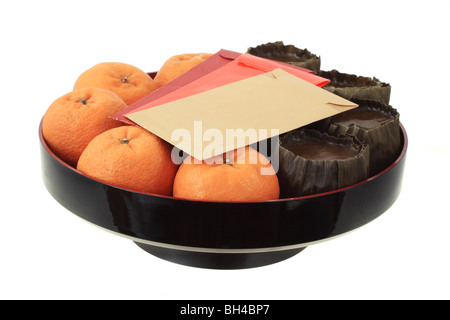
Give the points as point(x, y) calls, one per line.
point(221, 235)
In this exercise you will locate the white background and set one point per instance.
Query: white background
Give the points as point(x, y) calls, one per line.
point(46, 252)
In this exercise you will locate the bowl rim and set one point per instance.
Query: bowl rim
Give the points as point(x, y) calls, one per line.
point(393, 164)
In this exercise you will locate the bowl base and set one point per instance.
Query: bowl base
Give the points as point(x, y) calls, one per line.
point(219, 260)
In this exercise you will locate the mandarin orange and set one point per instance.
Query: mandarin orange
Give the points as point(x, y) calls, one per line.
point(127, 81)
point(74, 119)
point(131, 158)
point(176, 65)
point(241, 175)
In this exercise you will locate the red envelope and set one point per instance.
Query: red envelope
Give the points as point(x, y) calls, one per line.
point(220, 69)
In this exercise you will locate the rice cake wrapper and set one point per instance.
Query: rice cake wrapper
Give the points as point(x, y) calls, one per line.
point(383, 140)
point(351, 86)
point(299, 176)
point(320, 125)
point(288, 54)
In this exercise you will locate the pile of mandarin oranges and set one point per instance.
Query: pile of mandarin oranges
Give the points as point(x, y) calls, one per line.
point(78, 129)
